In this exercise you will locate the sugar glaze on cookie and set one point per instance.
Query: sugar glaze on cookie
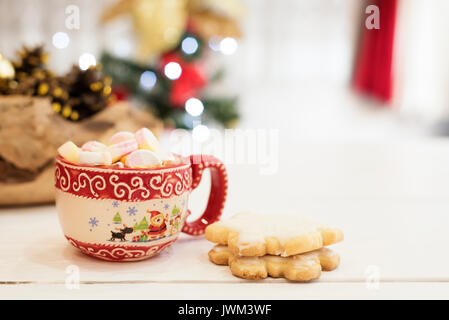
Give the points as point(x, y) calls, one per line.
point(256, 227)
point(249, 234)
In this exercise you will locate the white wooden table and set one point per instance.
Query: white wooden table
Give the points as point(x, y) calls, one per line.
point(391, 199)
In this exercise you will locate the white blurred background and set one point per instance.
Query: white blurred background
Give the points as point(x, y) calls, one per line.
point(292, 68)
point(292, 71)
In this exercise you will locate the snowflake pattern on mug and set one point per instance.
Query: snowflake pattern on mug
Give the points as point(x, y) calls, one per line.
point(132, 211)
point(93, 222)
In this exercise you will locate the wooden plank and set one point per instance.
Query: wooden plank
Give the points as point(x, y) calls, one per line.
point(225, 291)
point(391, 241)
point(390, 199)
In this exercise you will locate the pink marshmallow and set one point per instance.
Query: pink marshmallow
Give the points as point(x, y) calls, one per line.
point(146, 140)
point(94, 146)
point(121, 149)
point(120, 137)
point(142, 159)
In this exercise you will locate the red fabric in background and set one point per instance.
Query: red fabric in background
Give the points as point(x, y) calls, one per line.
point(373, 74)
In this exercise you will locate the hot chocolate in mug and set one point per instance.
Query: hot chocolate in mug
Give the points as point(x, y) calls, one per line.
point(123, 214)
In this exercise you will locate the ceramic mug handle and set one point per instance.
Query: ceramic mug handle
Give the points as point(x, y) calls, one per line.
point(218, 192)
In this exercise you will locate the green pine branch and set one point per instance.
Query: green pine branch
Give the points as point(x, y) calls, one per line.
point(127, 73)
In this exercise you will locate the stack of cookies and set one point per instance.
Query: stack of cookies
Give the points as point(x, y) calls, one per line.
point(257, 246)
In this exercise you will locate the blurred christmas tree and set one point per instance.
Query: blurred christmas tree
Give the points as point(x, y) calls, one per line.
point(176, 35)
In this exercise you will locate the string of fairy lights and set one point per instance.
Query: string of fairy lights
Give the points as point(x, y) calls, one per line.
point(194, 107)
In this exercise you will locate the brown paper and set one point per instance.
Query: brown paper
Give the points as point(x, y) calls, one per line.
point(30, 133)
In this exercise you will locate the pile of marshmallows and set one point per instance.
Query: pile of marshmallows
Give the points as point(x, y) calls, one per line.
point(124, 149)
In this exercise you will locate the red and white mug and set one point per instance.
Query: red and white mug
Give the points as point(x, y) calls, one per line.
point(122, 214)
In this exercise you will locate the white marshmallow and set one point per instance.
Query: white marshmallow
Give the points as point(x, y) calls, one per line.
point(95, 158)
point(142, 159)
point(146, 140)
point(120, 137)
point(69, 151)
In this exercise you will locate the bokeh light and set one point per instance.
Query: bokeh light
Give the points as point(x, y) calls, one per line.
point(61, 40)
point(200, 133)
point(214, 43)
point(228, 46)
point(194, 107)
point(87, 60)
point(173, 70)
point(189, 45)
point(148, 80)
